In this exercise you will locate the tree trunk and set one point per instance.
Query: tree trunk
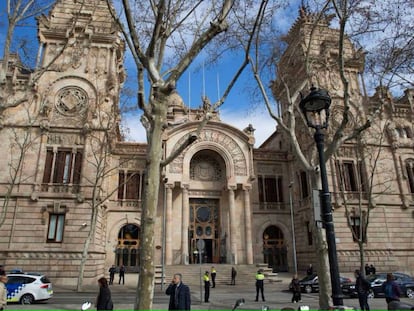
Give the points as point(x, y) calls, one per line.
point(324, 279)
point(145, 290)
point(85, 250)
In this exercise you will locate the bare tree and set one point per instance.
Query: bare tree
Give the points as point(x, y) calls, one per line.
point(22, 142)
point(369, 185)
point(165, 37)
point(18, 12)
point(287, 88)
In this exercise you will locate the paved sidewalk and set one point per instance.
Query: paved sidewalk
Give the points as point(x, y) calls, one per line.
point(222, 297)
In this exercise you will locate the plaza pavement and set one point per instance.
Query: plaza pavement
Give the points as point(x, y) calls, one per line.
point(222, 297)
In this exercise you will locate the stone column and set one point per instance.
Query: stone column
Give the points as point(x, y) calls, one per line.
point(168, 225)
point(248, 225)
point(233, 228)
point(185, 224)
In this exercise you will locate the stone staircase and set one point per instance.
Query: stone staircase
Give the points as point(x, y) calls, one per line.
point(192, 273)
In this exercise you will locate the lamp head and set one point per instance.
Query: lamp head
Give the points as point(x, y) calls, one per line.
point(315, 108)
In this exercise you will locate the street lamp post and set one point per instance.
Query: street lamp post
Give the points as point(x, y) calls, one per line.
point(315, 108)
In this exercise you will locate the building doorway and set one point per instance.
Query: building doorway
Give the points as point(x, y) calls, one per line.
point(127, 251)
point(274, 249)
point(204, 224)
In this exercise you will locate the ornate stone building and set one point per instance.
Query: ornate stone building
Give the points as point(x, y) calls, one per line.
point(66, 174)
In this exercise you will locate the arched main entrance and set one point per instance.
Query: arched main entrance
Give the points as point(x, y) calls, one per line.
point(205, 224)
point(274, 249)
point(127, 251)
point(208, 171)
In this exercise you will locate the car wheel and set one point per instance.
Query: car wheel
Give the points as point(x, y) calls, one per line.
point(371, 294)
point(27, 299)
point(308, 289)
point(409, 293)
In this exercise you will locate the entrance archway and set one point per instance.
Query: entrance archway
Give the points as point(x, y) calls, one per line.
point(274, 249)
point(127, 251)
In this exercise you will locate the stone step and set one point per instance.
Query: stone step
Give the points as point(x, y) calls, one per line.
point(194, 272)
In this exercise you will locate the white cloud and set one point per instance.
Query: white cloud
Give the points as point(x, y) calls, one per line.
point(259, 118)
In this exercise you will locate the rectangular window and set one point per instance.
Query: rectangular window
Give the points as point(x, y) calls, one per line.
point(357, 228)
point(351, 177)
point(309, 233)
point(410, 174)
point(270, 189)
point(56, 227)
point(62, 167)
point(304, 186)
point(130, 185)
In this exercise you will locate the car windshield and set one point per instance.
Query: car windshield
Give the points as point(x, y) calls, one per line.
point(308, 278)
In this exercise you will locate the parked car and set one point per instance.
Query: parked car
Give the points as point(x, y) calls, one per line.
point(310, 284)
point(28, 288)
point(405, 281)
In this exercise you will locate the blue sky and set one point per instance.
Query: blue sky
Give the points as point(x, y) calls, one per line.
point(237, 111)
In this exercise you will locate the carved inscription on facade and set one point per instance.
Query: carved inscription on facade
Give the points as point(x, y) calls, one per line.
point(228, 143)
point(131, 164)
point(64, 139)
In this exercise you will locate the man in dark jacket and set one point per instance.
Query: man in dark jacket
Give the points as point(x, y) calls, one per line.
point(391, 289)
point(179, 294)
point(362, 287)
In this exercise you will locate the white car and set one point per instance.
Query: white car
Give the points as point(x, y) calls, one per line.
point(26, 288)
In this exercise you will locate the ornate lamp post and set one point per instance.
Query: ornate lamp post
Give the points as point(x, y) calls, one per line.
point(315, 108)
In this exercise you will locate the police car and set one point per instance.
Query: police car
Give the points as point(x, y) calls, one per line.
point(26, 288)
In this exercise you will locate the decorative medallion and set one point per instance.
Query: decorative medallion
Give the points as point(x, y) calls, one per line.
point(71, 101)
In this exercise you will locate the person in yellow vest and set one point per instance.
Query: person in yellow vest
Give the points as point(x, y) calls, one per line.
point(260, 284)
point(213, 276)
point(206, 280)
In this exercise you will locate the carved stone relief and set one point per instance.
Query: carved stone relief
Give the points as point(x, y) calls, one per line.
point(228, 143)
point(205, 168)
point(71, 100)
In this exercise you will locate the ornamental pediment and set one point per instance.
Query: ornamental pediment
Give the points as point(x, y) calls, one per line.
point(223, 143)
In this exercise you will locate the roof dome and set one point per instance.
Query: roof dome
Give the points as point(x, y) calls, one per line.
point(175, 100)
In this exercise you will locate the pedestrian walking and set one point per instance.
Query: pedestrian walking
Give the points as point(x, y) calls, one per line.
point(309, 271)
point(213, 276)
point(104, 300)
point(391, 289)
point(112, 271)
point(260, 284)
point(3, 290)
point(295, 287)
point(206, 280)
point(367, 269)
point(372, 269)
point(179, 294)
point(121, 275)
point(233, 276)
point(362, 287)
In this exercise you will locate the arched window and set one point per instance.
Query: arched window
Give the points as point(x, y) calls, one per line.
point(127, 252)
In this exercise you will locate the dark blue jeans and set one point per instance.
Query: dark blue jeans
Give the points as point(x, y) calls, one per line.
point(363, 301)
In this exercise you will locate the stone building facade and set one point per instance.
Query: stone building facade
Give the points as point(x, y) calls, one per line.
point(67, 178)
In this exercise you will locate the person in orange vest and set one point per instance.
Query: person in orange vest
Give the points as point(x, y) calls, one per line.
point(213, 276)
point(206, 280)
point(260, 284)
